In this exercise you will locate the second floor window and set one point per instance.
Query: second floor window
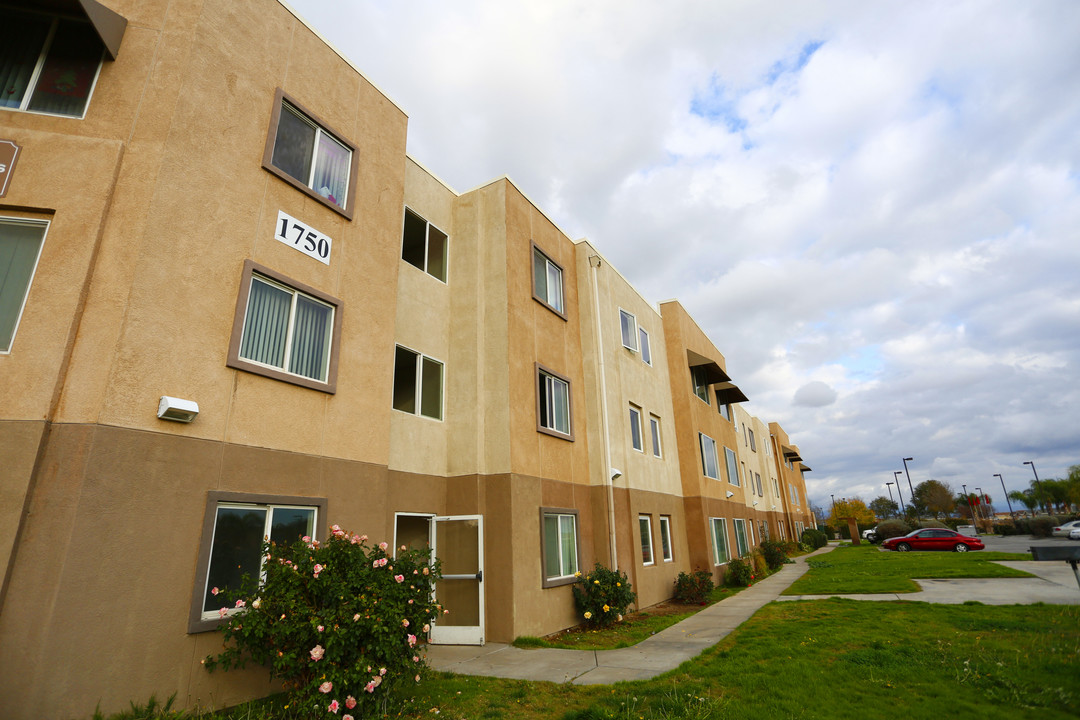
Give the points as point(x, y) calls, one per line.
point(547, 281)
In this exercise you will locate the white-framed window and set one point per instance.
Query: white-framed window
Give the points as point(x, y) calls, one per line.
point(285, 330)
point(794, 492)
point(646, 349)
point(21, 241)
point(753, 444)
point(636, 437)
point(628, 326)
point(742, 541)
point(559, 537)
point(757, 480)
point(665, 538)
point(303, 151)
point(48, 64)
point(776, 487)
point(724, 409)
point(645, 530)
point(418, 384)
point(700, 379)
point(424, 246)
point(732, 467)
point(553, 403)
point(654, 428)
point(719, 540)
point(710, 465)
point(235, 525)
point(547, 281)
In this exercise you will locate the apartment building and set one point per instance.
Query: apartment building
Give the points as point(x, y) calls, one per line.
point(232, 307)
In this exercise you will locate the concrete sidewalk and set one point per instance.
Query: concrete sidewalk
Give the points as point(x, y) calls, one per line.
point(663, 651)
point(1053, 583)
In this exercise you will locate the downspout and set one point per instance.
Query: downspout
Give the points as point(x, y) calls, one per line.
point(609, 481)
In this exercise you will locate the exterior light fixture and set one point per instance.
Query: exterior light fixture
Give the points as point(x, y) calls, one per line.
point(177, 409)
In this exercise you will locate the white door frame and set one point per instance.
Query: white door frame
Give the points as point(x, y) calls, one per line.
point(467, 634)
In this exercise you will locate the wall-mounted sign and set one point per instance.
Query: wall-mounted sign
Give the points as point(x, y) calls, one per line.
point(302, 237)
point(9, 153)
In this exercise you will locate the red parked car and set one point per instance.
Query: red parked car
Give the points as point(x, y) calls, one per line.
point(933, 539)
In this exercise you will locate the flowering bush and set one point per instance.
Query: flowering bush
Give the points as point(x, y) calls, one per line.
point(603, 595)
point(740, 573)
point(693, 589)
point(338, 622)
point(775, 553)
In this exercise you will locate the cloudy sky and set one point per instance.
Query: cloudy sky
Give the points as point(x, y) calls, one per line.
point(873, 209)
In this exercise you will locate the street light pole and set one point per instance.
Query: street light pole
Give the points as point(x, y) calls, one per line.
point(1037, 484)
point(896, 477)
point(1006, 493)
point(981, 496)
point(911, 489)
point(889, 485)
point(967, 499)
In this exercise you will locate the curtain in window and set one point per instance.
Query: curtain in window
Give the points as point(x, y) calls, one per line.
point(21, 40)
point(311, 339)
point(266, 324)
point(69, 71)
point(568, 540)
point(294, 145)
point(332, 164)
point(20, 244)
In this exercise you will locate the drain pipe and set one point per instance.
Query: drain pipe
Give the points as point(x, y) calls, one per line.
point(609, 474)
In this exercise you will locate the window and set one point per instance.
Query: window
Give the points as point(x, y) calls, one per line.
point(285, 330)
point(732, 469)
point(645, 528)
point(753, 445)
point(635, 429)
point(20, 247)
point(234, 528)
point(742, 543)
point(794, 494)
point(559, 531)
point(757, 479)
point(665, 538)
point(547, 281)
point(628, 325)
point(424, 246)
point(654, 426)
point(47, 64)
point(700, 379)
point(724, 410)
point(304, 152)
point(417, 376)
point(776, 487)
point(719, 541)
point(553, 403)
point(709, 463)
point(646, 349)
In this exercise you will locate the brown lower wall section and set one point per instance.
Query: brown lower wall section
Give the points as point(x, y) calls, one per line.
point(104, 573)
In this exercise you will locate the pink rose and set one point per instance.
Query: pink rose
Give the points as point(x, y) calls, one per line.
point(405, 622)
point(346, 717)
point(417, 678)
point(320, 628)
point(222, 611)
point(350, 702)
point(326, 687)
point(333, 706)
point(240, 603)
point(382, 671)
point(356, 617)
point(427, 628)
point(214, 591)
point(318, 569)
point(363, 538)
point(400, 578)
point(412, 641)
point(306, 538)
point(383, 546)
point(370, 687)
point(317, 653)
point(416, 658)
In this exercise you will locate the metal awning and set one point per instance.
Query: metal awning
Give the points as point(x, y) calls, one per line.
point(805, 468)
point(713, 372)
point(108, 25)
point(791, 453)
point(727, 392)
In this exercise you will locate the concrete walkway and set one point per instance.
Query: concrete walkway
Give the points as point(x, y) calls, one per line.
point(1053, 583)
point(663, 651)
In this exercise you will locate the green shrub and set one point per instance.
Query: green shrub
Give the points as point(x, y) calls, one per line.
point(337, 622)
point(1004, 528)
point(775, 553)
point(695, 588)
point(603, 596)
point(740, 572)
point(814, 538)
point(932, 523)
point(892, 528)
point(1042, 526)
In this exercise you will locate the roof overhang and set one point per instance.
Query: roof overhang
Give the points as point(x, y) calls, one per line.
point(713, 372)
point(791, 453)
point(804, 467)
point(727, 392)
point(108, 25)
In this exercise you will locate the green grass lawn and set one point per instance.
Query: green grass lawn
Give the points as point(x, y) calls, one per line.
point(866, 569)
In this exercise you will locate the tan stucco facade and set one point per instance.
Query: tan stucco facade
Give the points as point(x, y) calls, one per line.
point(161, 208)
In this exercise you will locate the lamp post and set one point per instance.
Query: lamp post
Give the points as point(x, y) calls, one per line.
point(967, 499)
point(911, 489)
point(896, 477)
point(1037, 484)
point(981, 496)
point(1006, 494)
point(889, 485)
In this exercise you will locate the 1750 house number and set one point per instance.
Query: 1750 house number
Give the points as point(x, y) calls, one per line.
point(302, 237)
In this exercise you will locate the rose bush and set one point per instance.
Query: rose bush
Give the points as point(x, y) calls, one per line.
point(338, 622)
point(603, 595)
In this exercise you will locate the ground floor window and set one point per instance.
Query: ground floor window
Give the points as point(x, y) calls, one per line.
point(645, 528)
point(234, 528)
point(559, 531)
point(742, 540)
point(665, 538)
point(719, 538)
point(20, 248)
